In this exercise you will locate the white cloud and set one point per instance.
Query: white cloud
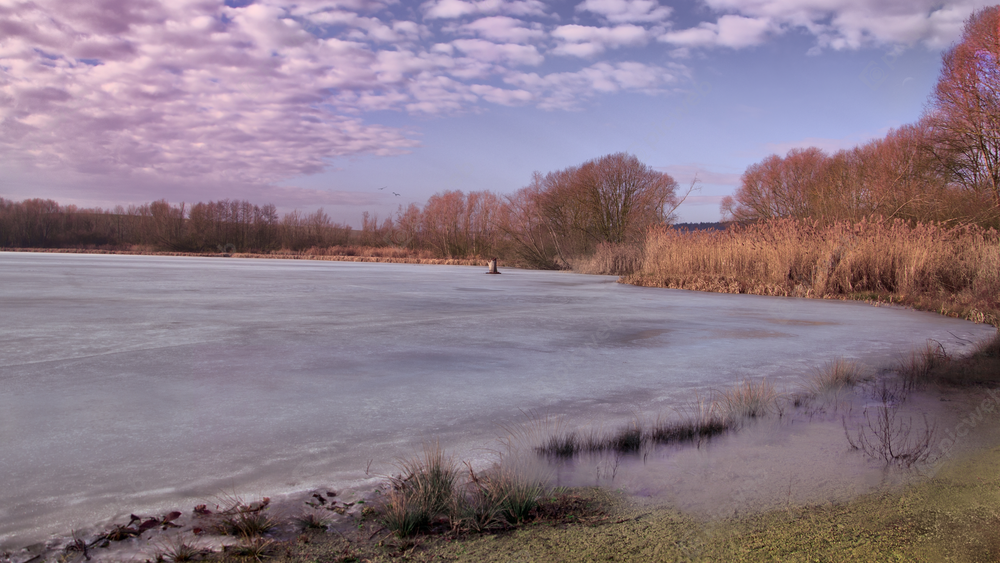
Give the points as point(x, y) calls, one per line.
point(369, 28)
point(195, 91)
point(852, 24)
point(450, 9)
point(587, 41)
point(730, 31)
point(505, 29)
point(627, 11)
point(177, 91)
point(486, 51)
point(503, 96)
point(566, 90)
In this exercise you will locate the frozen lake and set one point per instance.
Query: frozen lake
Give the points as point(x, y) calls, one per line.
point(130, 383)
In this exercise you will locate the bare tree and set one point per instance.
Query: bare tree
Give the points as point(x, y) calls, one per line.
point(779, 187)
point(520, 219)
point(965, 106)
point(625, 196)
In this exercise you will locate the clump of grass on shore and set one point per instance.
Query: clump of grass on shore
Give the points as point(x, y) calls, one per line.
point(243, 519)
point(506, 492)
point(430, 494)
point(423, 492)
point(176, 549)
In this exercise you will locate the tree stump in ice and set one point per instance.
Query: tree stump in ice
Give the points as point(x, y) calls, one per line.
point(493, 266)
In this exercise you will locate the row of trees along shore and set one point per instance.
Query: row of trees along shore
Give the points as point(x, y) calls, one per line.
point(945, 167)
point(558, 218)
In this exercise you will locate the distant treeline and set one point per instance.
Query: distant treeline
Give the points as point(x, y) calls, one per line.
point(558, 218)
point(228, 225)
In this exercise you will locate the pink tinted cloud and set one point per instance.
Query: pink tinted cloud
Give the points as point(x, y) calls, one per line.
point(567, 90)
point(180, 91)
point(193, 90)
point(588, 41)
point(505, 29)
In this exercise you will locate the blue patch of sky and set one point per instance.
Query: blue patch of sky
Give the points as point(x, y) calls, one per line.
point(740, 106)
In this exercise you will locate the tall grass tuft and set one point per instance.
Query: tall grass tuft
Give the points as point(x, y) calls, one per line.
point(256, 548)
point(403, 514)
point(837, 375)
point(704, 421)
point(628, 440)
point(518, 494)
point(989, 348)
point(749, 400)
point(954, 270)
point(423, 491)
point(176, 550)
point(924, 366)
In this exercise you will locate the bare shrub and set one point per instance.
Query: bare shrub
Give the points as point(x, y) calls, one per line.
point(884, 435)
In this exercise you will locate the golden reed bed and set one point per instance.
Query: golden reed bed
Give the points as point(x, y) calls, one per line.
point(951, 270)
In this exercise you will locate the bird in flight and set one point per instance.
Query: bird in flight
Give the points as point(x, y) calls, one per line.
point(395, 194)
point(383, 187)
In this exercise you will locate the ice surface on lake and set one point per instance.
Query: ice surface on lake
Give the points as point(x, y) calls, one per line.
point(132, 383)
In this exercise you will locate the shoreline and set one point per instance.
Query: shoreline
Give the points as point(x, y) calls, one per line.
point(635, 279)
point(334, 258)
point(821, 417)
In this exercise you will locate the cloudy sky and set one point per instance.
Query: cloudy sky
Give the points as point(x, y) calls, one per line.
point(320, 103)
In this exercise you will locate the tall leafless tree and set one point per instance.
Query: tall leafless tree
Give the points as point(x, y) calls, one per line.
point(965, 106)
